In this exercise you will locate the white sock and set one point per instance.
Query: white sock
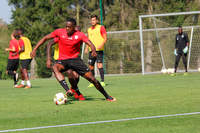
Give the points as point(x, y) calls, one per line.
point(23, 82)
point(28, 82)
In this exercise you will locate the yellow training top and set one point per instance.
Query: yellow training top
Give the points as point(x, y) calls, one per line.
point(27, 49)
point(95, 36)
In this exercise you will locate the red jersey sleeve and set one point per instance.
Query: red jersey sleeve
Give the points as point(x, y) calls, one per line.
point(21, 43)
point(54, 33)
point(56, 39)
point(103, 30)
point(84, 38)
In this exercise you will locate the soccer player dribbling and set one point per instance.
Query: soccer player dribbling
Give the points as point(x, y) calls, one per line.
point(181, 49)
point(73, 77)
point(69, 49)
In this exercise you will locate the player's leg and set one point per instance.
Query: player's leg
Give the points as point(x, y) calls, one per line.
point(12, 67)
point(184, 58)
point(100, 66)
point(73, 78)
point(57, 68)
point(79, 66)
point(93, 80)
point(177, 61)
point(91, 62)
point(25, 67)
point(22, 84)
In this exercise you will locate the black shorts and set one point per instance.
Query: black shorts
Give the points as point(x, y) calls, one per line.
point(25, 63)
point(98, 58)
point(12, 64)
point(76, 64)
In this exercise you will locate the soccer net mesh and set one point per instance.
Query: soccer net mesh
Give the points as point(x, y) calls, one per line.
point(158, 32)
point(122, 53)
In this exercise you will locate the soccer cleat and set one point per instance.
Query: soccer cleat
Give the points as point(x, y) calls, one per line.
point(103, 84)
point(19, 86)
point(69, 93)
point(75, 94)
point(90, 85)
point(173, 74)
point(185, 74)
point(111, 99)
point(27, 87)
point(81, 97)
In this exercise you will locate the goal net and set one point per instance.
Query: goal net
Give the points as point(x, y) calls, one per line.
point(157, 40)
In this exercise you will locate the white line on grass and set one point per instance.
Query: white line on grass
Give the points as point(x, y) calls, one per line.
point(98, 122)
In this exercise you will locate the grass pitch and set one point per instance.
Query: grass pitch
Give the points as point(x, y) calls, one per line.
point(137, 96)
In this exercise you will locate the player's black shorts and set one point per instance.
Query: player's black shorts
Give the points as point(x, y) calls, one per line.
point(76, 64)
point(12, 64)
point(25, 63)
point(98, 58)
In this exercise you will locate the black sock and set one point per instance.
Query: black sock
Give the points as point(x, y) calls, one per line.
point(77, 91)
point(64, 84)
point(93, 72)
point(13, 75)
point(101, 74)
point(101, 89)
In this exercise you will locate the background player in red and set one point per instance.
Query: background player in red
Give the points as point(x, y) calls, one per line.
point(15, 47)
point(69, 49)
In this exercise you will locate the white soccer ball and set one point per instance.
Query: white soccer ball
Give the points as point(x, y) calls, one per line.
point(199, 69)
point(164, 71)
point(60, 98)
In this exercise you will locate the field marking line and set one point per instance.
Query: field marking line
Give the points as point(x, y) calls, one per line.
point(98, 122)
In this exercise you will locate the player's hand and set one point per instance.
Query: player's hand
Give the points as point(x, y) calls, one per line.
point(6, 49)
point(94, 53)
point(14, 54)
point(33, 53)
point(48, 63)
point(185, 50)
point(175, 52)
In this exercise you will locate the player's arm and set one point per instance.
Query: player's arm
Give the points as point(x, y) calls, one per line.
point(91, 45)
point(49, 45)
point(42, 41)
point(12, 49)
point(187, 39)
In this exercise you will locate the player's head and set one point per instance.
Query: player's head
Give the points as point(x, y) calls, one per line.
point(16, 35)
point(94, 20)
point(70, 26)
point(20, 32)
point(78, 28)
point(180, 30)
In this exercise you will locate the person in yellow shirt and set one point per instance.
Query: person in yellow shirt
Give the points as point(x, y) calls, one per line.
point(25, 60)
point(98, 36)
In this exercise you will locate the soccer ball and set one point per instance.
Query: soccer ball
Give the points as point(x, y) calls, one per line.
point(60, 98)
point(199, 69)
point(164, 71)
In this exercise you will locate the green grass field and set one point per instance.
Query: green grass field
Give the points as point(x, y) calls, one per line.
point(137, 96)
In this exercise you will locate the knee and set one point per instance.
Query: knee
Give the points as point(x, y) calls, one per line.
point(91, 67)
point(100, 65)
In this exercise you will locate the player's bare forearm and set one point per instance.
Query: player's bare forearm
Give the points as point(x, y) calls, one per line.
point(42, 41)
point(49, 45)
point(104, 42)
point(10, 49)
point(91, 45)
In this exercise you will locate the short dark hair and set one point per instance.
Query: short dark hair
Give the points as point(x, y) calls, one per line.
point(180, 26)
point(15, 34)
point(73, 21)
point(94, 16)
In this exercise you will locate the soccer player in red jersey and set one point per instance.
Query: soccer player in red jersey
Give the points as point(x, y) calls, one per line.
point(15, 47)
point(73, 77)
point(69, 49)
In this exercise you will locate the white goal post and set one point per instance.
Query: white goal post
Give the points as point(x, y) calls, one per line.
point(157, 39)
